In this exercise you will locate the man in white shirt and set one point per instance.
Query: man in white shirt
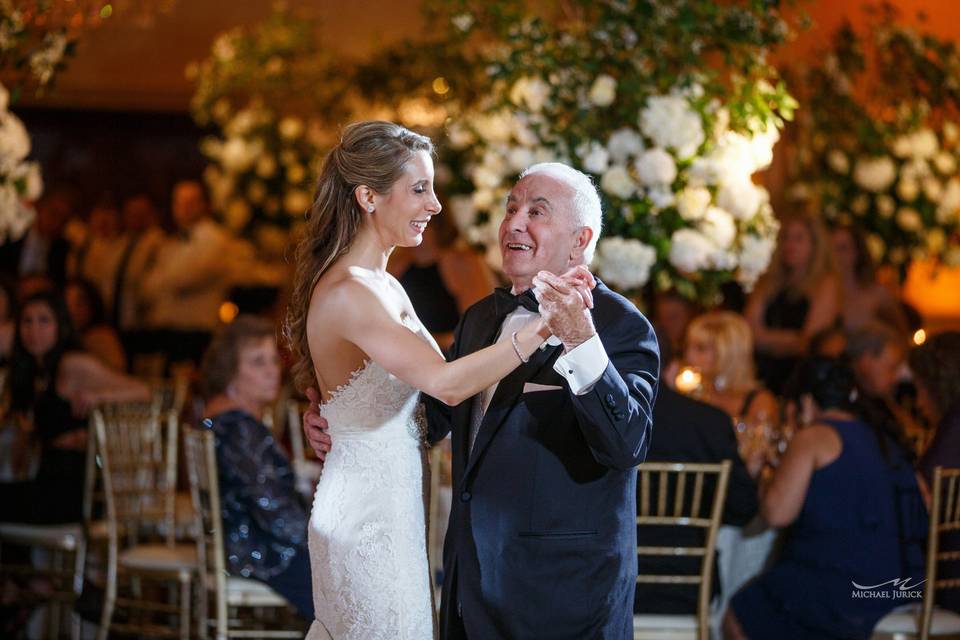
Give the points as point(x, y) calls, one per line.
point(192, 273)
point(542, 535)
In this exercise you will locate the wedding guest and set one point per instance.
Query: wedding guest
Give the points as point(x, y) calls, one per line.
point(191, 275)
point(443, 277)
point(97, 337)
point(864, 298)
point(797, 297)
point(689, 431)
point(936, 369)
point(849, 496)
point(44, 249)
point(265, 525)
point(673, 312)
point(96, 259)
point(51, 386)
point(142, 238)
point(719, 344)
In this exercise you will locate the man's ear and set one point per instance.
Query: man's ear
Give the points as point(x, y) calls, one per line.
point(365, 198)
point(583, 238)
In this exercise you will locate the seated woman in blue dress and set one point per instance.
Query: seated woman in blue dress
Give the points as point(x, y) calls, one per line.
point(264, 522)
point(848, 496)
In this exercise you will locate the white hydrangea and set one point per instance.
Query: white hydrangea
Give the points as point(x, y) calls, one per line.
point(741, 197)
point(838, 161)
point(661, 196)
point(519, 158)
point(908, 189)
point(875, 174)
point(690, 250)
point(238, 155)
point(886, 205)
point(948, 211)
point(909, 219)
point(595, 157)
point(754, 258)
point(603, 91)
point(924, 143)
point(624, 262)
point(617, 182)
point(494, 127)
point(932, 189)
point(672, 123)
point(624, 143)
point(719, 226)
point(945, 163)
point(530, 92)
point(692, 202)
point(655, 167)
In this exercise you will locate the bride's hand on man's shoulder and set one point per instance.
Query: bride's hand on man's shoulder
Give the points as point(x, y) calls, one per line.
point(315, 427)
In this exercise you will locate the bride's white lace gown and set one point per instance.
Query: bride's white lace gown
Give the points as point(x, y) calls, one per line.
point(368, 544)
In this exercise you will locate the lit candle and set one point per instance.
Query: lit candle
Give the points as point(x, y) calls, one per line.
point(688, 380)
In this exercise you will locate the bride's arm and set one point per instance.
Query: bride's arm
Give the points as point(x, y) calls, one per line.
point(362, 318)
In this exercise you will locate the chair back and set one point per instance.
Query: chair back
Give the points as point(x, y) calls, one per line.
point(137, 447)
point(676, 494)
point(205, 491)
point(944, 518)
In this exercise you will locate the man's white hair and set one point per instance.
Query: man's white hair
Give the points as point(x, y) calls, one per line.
point(587, 210)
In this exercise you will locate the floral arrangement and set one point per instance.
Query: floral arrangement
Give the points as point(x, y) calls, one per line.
point(32, 44)
point(20, 180)
point(252, 92)
point(620, 90)
point(880, 144)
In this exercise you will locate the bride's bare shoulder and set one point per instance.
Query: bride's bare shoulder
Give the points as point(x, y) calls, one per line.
point(339, 292)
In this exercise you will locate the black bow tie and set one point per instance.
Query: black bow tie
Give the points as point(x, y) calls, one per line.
point(505, 302)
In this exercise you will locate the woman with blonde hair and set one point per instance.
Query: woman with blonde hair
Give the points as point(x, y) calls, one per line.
point(720, 345)
point(797, 298)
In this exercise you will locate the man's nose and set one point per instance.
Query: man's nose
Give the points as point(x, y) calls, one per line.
point(518, 221)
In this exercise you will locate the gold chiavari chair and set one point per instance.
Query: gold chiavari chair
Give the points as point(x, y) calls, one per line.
point(137, 447)
point(228, 593)
point(673, 495)
point(927, 620)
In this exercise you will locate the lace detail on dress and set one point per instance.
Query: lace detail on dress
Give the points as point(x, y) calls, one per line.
point(367, 535)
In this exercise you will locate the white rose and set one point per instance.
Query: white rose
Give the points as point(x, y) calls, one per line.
point(719, 226)
point(885, 205)
point(690, 250)
point(909, 219)
point(741, 197)
point(459, 136)
point(838, 161)
point(266, 166)
point(655, 167)
point(291, 128)
point(238, 155)
point(531, 92)
point(761, 147)
point(463, 211)
point(29, 172)
point(875, 173)
point(623, 143)
point(908, 189)
point(924, 143)
point(493, 127)
point(14, 140)
point(951, 132)
point(594, 157)
point(932, 189)
point(519, 158)
point(625, 263)
point(692, 202)
point(754, 258)
point(604, 90)
point(483, 199)
point(915, 168)
point(296, 202)
point(902, 146)
point(945, 163)
point(671, 123)
point(617, 182)
point(661, 196)
point(949, 207)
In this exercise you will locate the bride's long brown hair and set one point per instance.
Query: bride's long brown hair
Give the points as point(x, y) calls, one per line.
point(373, 154)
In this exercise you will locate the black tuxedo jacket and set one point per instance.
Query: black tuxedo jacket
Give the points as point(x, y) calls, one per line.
point(542, 534)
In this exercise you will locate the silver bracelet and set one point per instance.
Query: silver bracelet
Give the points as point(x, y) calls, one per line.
point(516, 348)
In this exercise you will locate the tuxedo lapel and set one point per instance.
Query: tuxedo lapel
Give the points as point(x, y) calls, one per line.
point(506, 396)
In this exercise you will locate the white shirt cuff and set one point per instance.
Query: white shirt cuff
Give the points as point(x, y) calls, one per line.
point(583, 365)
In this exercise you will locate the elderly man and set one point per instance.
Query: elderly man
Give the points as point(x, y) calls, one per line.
point(542, 535)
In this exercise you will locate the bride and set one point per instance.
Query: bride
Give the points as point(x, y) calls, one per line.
point(354, 331)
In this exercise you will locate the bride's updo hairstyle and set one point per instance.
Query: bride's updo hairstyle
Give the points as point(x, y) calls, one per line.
point(373, 154)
